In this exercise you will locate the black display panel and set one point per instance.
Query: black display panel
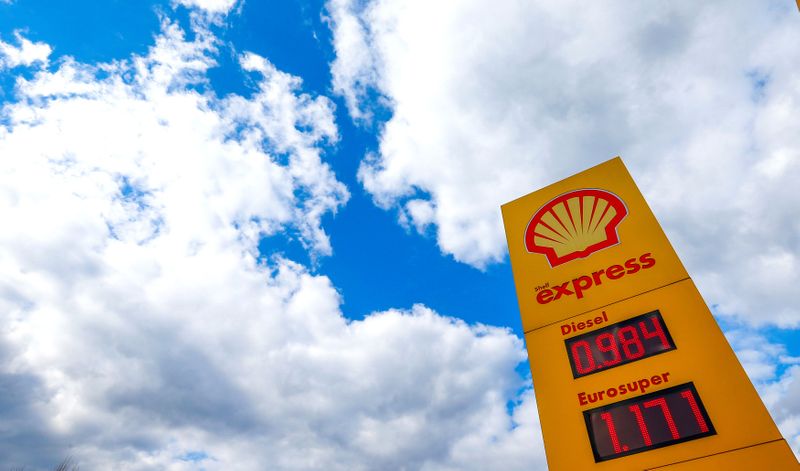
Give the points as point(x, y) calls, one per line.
point(617, 344)
point(654, 420)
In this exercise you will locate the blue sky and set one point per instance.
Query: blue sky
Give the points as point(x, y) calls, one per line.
point(251, 232)
point(378, 265)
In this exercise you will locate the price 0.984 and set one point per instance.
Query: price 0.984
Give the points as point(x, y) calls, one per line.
point(654, 420)
point(618, 344)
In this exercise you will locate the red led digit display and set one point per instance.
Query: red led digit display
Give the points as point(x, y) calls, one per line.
point(617, 344)
point(654, 420)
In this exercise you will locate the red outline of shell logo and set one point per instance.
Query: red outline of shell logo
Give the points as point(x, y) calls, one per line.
point(575, 225)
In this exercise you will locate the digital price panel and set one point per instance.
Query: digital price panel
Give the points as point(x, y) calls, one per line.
point(654, 420)
point(634, 339)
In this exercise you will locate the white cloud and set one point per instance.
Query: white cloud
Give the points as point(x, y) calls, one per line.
point(138, 327)
point(354, 70)
point(26, 54)
point(210, 6)
point(490, 103)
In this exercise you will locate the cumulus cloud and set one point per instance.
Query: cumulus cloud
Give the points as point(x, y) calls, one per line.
point(209, 6)
point(489, 105)
point(26, 54)
point(140, 328)
point(355, 69)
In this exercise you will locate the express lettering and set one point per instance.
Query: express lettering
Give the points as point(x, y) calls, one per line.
point(583, 283)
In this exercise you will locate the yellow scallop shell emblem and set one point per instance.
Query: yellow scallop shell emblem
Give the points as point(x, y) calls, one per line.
point(575, 225)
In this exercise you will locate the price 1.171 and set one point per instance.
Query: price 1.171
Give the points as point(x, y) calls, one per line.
point(654, 420)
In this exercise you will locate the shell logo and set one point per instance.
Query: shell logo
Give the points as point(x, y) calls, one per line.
point(575, 225)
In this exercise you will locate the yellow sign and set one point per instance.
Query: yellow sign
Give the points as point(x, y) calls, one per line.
point(630, 369)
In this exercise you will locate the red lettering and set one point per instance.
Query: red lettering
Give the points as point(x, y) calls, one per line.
point(612, 431)
point(544, 296)
point(640, 421)
point(656, 380)
point(657, 332)
point(583, 283)
point(647, 260)
point(615, 272)
point(640, 385)
point(662, 403)
point(632, 266)
point(562, 290)
point(701, 422)
point(573, 327)
point(644, 383)
point(580, 284)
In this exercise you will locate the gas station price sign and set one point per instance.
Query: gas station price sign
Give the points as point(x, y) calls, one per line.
point(654, 420)
point(612, 323)
point(618, 344)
